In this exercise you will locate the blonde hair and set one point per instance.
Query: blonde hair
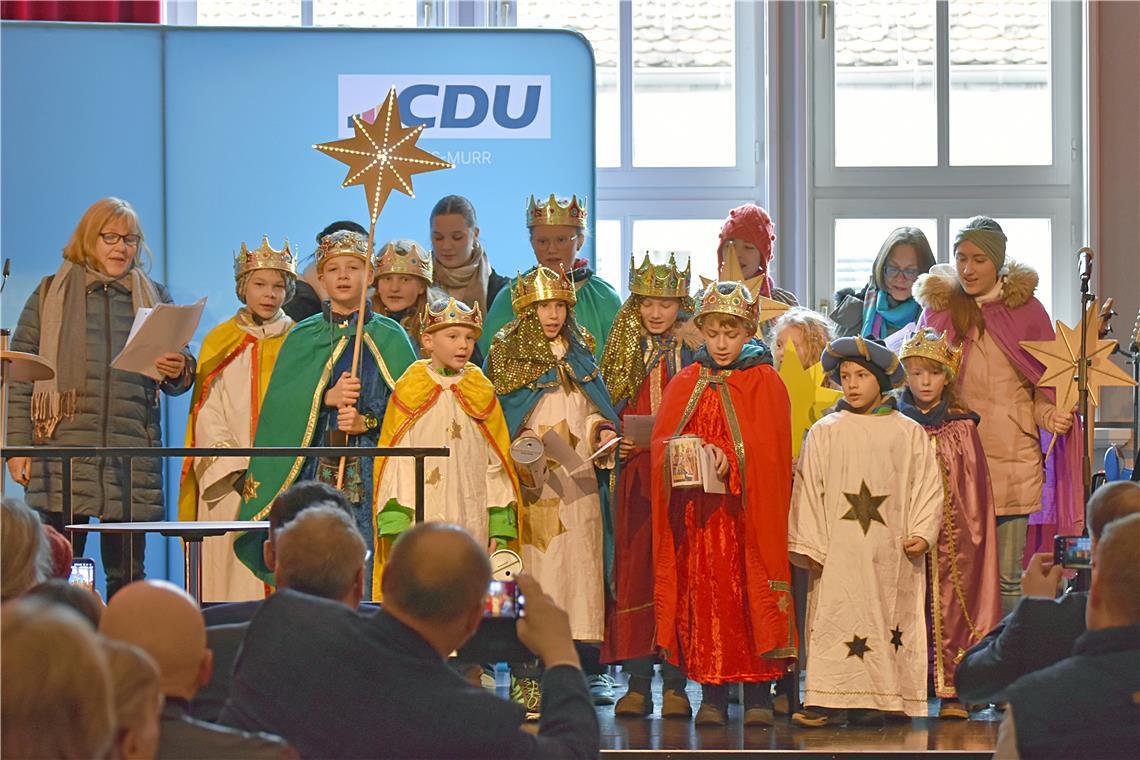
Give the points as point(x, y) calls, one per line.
point(719, 319)
point(55, 683)
point(950, 394)
point(135, 685)
point(80, 249)
point(817, 330)
point(26, 555)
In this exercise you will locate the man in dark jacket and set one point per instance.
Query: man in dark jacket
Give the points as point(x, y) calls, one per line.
point(1087, 705)
point(337, 683)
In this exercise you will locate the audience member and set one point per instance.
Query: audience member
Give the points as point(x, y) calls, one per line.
point(320, 553)
point(1086, 705)
point(137, 699)
point(59, 547)
point(378, 685)
point(78, 598)
point(1040, 631)
point(55, 691)
point(163, 621)
point(25, 557)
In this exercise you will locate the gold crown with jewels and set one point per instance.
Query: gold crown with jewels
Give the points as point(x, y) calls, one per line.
point(659, 280)
point(542, 284)
point(265, 257)
point(930, 345)
point(343, 243)
point(737, 302)
point(404, 257)
point(451, 313)
point(552, 212)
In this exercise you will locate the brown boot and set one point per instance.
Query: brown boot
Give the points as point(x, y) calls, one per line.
point(637, 702)
point(710, 715)
point(675, 704)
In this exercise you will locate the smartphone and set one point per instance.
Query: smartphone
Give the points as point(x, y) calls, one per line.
point(1072, 551)
point(504, 600)
point(82, 573)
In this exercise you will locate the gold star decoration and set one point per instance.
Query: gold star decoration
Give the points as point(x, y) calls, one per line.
point(383, 156)
point(454, 430)
point(857, 647)
point(770, 308)
point(1062, 354)
point(896, 637)
point(433, 476)
point(542, 523)
point(864, 507)
point(809, 397)
point(782, 602)
point(249, 488)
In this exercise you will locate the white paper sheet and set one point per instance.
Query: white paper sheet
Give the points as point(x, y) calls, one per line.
point(164, 329)
point(638, 428)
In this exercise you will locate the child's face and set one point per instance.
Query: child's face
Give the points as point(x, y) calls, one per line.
point(976, 271)
point(748, 255)
point(399, 291)
point(723, 340)
point(344, 278)
point(551, 315)
point(555, 245)
point(450, 347)
point(795, 335)
point(658, 315)
point(860, 387)
point(926, 384)
point(265, 292)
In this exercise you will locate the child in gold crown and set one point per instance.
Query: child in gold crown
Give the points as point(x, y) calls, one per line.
point(964, 591)
point(403, 281)
point(542, 365)
point(233, 372)
point(722, 595)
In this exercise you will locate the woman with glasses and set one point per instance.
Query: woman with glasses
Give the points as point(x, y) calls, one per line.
point(79, 319)
point(885, 305)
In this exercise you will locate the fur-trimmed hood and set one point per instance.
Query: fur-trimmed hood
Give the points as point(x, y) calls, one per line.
point(932, 290)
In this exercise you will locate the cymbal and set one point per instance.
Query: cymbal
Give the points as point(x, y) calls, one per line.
point(21, 367)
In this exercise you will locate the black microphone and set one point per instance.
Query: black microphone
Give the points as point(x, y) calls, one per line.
point(7, 271)
point(1084, 267)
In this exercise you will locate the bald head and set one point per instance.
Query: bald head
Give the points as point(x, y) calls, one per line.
point(165, 622)
point(436, 573)
point(1110, 502)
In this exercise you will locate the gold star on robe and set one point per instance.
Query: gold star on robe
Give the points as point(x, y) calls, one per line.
point(249, 488)
point(454, 430)
point(864, 507)
point(807, 394)
point(542, 523)
point(857, 647)
point(562, 429)
point(433, 476)
point(383, 156)
point(782, 602)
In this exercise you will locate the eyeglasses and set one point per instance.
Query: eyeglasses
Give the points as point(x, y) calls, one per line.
point(558, 242)
point(909, 273)
point(113, 238)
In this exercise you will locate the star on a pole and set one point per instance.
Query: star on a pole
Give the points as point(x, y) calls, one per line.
point(896, 637)
point(809, 397)
point(857, 647)
point(383, 156)
point(864, 507)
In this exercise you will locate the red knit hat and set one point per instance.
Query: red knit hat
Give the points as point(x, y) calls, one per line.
point(61, 553)
point(752, 223)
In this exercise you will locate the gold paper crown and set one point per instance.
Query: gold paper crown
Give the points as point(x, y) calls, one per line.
point(554, 213)
point(737, 302)
point(404, 257)
point(541, 284)
point(451, 313)
point(924, 344)
point(343, 243)
point(265, 257)
point(659, 280)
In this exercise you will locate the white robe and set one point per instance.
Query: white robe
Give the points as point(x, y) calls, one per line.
point(224, 421)
point(870, 597)
point(460, 488)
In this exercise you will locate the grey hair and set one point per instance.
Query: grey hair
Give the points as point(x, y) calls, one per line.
point(26, 554)
point(319, 552)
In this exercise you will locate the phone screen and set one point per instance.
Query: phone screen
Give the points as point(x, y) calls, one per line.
point(82, 573)
point(503, 600)
point(1073, 551)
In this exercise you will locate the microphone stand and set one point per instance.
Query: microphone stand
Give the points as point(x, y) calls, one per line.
point(1087, 299)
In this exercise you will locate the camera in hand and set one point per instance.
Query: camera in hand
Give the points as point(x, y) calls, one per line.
point(1072, 551)
point(503, 600)
point(496, 639)
point(82, 573)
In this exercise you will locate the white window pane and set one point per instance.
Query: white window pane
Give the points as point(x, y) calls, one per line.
point(684, 102)
point(365, 13)
point(857, 243)
point(598, 22)
point(249, 13)
point(607, 251)
point(1000, 86)
point(1029, 241)
point(885, 108)
point(690, 239)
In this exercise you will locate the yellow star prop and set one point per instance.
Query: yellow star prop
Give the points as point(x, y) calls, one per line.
point(770, 308)
point(807, 393)
point(1062, 354)
point(383, 156)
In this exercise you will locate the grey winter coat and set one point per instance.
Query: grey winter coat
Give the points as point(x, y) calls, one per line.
point(115, 409)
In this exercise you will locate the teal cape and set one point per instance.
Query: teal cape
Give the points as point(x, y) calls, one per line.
point(596, 308)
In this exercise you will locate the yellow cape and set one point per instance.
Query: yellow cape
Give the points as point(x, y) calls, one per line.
point(413, 396)
point(220, 347)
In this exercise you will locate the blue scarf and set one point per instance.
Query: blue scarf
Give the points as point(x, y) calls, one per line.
point(880, 319)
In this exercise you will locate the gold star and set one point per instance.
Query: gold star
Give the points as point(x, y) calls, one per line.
point(857, 647)
point(542, 523)
point(808, 395)
point(864, 507)
point(249, 488)
point(433, 476)
point(383, 155)
point(563, 431)
point(454, 430)
point(782, 602)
